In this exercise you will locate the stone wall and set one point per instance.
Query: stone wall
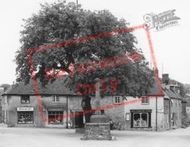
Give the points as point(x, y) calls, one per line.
point(97, 131)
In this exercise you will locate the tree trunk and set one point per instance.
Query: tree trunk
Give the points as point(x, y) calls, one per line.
point(86, 105)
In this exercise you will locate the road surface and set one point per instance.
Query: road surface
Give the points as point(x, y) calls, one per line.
point(58, 137)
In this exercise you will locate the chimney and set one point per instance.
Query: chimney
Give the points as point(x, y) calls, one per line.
point(156, 72)
point(165, 78)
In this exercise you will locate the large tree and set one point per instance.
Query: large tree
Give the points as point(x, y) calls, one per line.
point(59, 22)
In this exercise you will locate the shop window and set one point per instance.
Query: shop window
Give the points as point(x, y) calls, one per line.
point(145, 100)
point(141, 120)
point(25, 117)
point(56, 99)
point(25, 99)
point(55, 117)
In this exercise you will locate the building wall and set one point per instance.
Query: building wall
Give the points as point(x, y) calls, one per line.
point(136, 104)
point(11, 103)
point(188, 111)
point(160, 120)
point(74, 103)
point(184, 105)
point(176, 109)
point(115, 111)
point(1, 115)
point(1, 112)
point(119, 113)
point(167, 119)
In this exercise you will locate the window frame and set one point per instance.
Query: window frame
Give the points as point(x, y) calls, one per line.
point(141, 126)
point(54, 116)
point(32, 118)
point(117, 99)
point(56, 98)
point(24, 97)
point(145, 101)
point(140, 112)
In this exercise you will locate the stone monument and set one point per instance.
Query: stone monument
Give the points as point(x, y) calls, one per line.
point(99, 126)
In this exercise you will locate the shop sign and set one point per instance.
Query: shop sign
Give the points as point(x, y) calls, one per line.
point(25, 109)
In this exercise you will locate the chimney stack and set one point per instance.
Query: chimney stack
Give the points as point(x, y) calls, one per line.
point(165, 78)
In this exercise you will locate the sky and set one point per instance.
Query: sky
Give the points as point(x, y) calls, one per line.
point(170, 45)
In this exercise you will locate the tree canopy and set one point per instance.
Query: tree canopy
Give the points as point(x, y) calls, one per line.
point(59, 22)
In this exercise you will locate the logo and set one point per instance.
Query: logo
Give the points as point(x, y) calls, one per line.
point(161, 20)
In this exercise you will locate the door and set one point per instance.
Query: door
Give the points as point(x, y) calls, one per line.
point(79, 120)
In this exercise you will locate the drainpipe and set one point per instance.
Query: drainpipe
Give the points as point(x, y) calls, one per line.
point(156, 114)
point(5, 108)
point(67, 110)
point(169, 113)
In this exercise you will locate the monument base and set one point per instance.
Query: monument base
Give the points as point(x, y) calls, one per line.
point(98, 128)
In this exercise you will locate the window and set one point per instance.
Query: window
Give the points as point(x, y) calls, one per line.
point(141, 118)
point(25, 99)
point(25, 117)
point(145, 100)
point(102, 112)
point(55, 117)
point(172, 88)
point(118, 100)
point(56, 99)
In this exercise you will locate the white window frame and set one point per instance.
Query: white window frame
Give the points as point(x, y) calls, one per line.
point(145, 100)
point(140, 123)
point(117, 99)
point(23, 99)
point(56, 98)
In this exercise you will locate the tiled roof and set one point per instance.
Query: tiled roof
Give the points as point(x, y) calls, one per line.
point(56, 88)
point(155, 90)
point(172, 94)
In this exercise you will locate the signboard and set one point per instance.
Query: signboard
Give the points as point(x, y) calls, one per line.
point(25, 109)
point(127, 116)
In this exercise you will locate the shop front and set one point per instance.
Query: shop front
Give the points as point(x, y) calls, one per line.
point(25, 115)
point(56, 117)
point(140, 118)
